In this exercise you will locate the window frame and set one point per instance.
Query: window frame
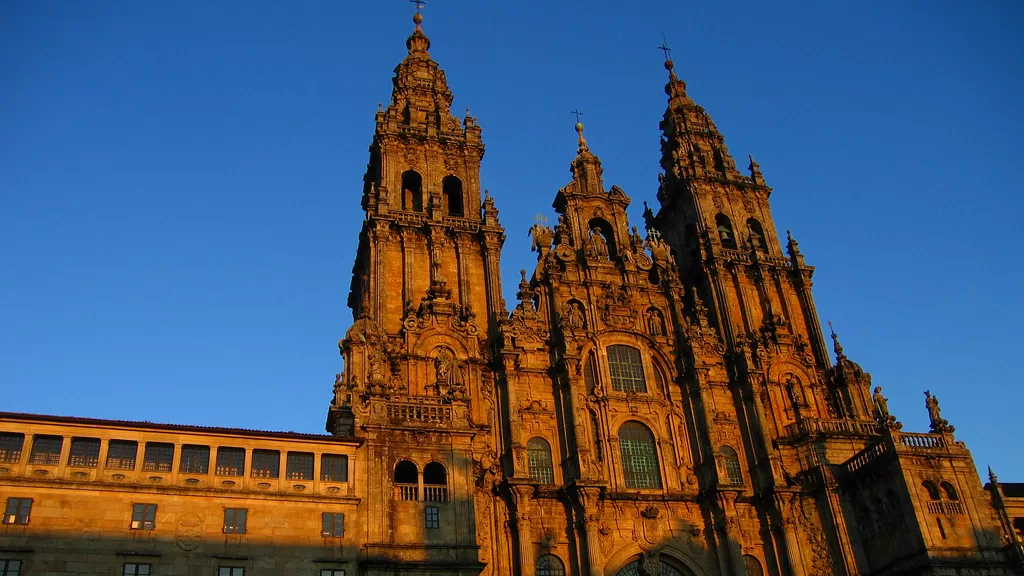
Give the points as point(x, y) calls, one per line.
point(118, 455)
point(432, 517)
point(337, 471)
point(332, 572)
point(235, 520)
point(146, 514)
point(539, 463)
point(556, 568)
point(230, 571)
point(154, 457)
point(84, 452)
point(12, 446)
point(626, 369)
point(260, 464)
point(230, 461)
point(332, 524)
point(295, 465)
point(17, 511)
point(7, 570)
point(48, 458)
point(136, 569)
point(192, 459)
point(650, 473)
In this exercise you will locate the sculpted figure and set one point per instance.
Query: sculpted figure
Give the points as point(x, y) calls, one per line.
point(654, 325)
point(881, 404)
point(939, 424)
point(598, 245)
point(574, 316)
point(447, 370)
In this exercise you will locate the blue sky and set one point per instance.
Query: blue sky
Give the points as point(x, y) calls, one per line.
point(180, 181)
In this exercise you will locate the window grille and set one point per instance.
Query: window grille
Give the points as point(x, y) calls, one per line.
point(10, 567)
point(18, 510)
point(121, 454)
point(266, 463)
point(334, 468)
point(300, 466)
point(85, 452)
point(230, 461)
point(333, 525)
point(143, 517)
point(432, 515)
point(639, 456)
point(46, 450)
point(195, 459)
point(158, 458)
point(752, 565)
point(550, 565)
point(538, 455)
point(10, 449)
point(234, 520)
point(626, 368)
point(230, 571)
point(137, 570)
point(732, 466)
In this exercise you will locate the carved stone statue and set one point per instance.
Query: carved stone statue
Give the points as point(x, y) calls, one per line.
point(573, 316)
point(379, 370)
point(655, 327)
point(636, 241)
point(881, 404)
point(598, 245)
point(939, 425)
point(339, 391)
point(447, 370)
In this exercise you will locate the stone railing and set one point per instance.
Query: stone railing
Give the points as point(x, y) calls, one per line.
point(422, 412)
point(865, 456)
point(407, 491)
point(435, 493)
point(946, 507)
point(827, 426)
point(915, 440)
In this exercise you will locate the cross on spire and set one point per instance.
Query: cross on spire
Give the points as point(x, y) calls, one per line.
point(664, 48)
point(577, 113)
point(419, 4)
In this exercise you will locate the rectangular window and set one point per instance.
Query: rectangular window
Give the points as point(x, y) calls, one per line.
point(300, 466)
point(333, 524)
point(230, 571)
point(143, 516)
point(85, 452)
point(137, 570)
point(10, 567)
point(46, 449)
point(433, 517)
point(159, 457)
point(334, 468)
point(121, 454)
point(10, 449)
point(626, 368)
point(18, 510)
point(195, 459)
point(234, 520)
point(230, 461)
point(266, 464)
point(331, 572)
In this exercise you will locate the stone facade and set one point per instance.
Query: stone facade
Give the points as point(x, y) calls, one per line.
point(654, 403)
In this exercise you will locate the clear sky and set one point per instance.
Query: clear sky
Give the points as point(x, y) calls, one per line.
point(180, 181)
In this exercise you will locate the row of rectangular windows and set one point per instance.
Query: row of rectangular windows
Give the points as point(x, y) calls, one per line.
point(19, 510)
point(159, 457)
point(13, 568)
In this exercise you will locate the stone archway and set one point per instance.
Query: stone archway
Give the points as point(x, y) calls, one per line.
point(646, 567)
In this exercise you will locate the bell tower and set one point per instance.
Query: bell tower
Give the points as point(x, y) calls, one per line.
point(425, 294)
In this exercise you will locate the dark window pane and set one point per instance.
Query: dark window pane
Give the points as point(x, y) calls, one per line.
point(300, 466)
point(143, 516)
point(195, 459)
point(333, 524)
point(121, 454)
point(538, 455)
point(18, 510)
point(266, 463)
point(234, 520)
point(549, 565)
point(10, 567)
point(159, 457)
point(85, 452)
point(626, 368)
point(230, 461)
point(639, 456)
point(46, 450)
point(10, 447)
point(432, 517)
point(334, 468)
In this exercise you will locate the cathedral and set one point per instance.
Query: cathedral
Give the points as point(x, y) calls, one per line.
point(661, 399)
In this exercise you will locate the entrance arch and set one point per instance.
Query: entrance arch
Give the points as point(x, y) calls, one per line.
point(667, 566)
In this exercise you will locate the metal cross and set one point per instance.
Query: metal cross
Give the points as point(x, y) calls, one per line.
point(668, 51)
point(419, 4)
point(540, 219)
point(577, 113)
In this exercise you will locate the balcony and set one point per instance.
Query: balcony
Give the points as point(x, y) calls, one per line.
point(834, 427)
point(422, 412)
point(945, 507)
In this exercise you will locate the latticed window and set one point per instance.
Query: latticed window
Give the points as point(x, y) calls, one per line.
point(639, 456)
point(230, 571)
point(266, 463)
point(85, 452)
point(46, 450)
point(18, 510)
point(159, 457)
point(132, 569)
point(626, 368)
point(333, 525)
point(752, 566)
point(234, 520)
point(590, 373)
point(143, 517)
point(10, 447)
point(432, 517)
point(121, 454)
point(538, 453)
point(195, 459)
point(334, 468)
point(300, 466)
point(732, 466)
point(230, 461)
point(634, 569)
point(10, 567)
point(550, 565)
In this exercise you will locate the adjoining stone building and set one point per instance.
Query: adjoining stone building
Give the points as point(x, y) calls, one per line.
point(657, 403)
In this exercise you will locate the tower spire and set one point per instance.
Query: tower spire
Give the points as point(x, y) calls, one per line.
point(840, 356)
point(418, 41)
point(579, 131)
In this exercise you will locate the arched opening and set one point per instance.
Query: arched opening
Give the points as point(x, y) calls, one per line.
point(590, 374)
point(731, 460)
point(933, 492)
point(550, 565)
point(626, 368)
point(407, 481)
point(666, 567)
point(538, 455)
point(639, 456)
point(435, 482)
point(756, 233)
point(451, 195)
point(950, 491)
point(412, 191)
point(752, 565)
point(725, 233)
point(607, 235)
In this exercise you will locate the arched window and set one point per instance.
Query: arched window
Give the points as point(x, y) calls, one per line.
point(756, 233)
point(627, 369)
point(933, 492)
point(538, 453)
point(667, 568)
point(412, 191)
point(725, 233)
point(639, 456)
point(590, 374)
point(435, 483)
point(752, 565)
point(732, 466)
point(407, 480)
point(950, 491)
point(451, 193)
point(550, 565)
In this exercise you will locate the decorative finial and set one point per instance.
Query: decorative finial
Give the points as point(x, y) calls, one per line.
point(579, 129)
point(755, 171)
point(992, 476)
point(417, 17)
point(669, 65)
point(836, 345)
